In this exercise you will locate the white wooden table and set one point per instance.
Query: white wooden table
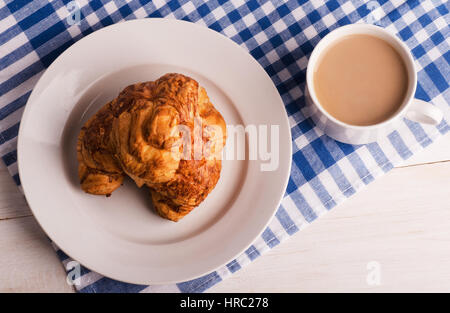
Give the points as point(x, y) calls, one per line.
point(399, 226)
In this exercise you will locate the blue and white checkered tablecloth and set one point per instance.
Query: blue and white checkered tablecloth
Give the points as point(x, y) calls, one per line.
point(280, 35)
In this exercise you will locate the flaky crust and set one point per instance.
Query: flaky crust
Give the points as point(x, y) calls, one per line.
point(98, 169)
point(165, 134)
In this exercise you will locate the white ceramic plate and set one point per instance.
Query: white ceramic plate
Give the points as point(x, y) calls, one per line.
point(121, 237)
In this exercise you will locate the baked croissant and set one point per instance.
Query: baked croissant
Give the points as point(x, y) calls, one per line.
point(98, 169)
point(165, 135)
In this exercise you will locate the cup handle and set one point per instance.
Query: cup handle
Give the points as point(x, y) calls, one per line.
point(424, 112)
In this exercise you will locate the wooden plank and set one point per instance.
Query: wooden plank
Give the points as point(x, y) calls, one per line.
point(401, 222)
point(28, 263)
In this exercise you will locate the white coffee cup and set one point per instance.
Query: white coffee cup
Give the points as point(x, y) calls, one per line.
point(411, 108)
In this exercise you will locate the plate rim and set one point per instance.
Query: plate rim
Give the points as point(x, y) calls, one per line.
point(20, 145)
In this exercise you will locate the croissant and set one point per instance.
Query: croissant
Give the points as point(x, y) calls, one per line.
point(165, 135)
point(98, 169)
